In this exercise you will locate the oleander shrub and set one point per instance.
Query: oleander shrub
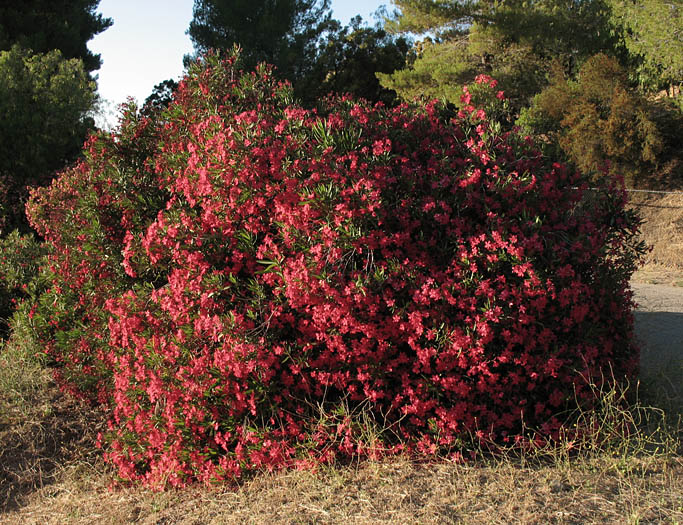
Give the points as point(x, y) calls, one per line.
point(236, 278)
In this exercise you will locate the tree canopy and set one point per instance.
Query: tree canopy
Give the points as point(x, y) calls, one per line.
point(160, 97)
point(441, 68)
point(653, 35)
point(44, 25)
point(44, 118)
point(514, 41)
point(280, 32)
point(317, 54)
point(347, 58)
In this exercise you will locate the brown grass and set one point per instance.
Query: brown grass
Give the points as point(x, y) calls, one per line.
point(41, 429)
point(662, 230)
point(397, 491)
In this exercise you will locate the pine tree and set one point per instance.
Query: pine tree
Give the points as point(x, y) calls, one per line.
point(45, 25)
point(653, 35)
point(44, 117)
point(514, 41)
point(280, 32)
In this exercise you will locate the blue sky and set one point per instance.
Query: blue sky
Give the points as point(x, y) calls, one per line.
point(147, 41)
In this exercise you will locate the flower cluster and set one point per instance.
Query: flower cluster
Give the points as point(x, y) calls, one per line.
point(226, 271)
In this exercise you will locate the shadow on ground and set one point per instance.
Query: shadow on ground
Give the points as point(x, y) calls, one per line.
point(660, 335)
point(36, 444)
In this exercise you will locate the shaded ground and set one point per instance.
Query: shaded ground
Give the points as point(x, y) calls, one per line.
point(659, 329)
point(658, 288)
point(659, 324)
point(37, 442)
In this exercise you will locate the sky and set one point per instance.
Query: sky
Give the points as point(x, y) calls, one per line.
point(147, 42)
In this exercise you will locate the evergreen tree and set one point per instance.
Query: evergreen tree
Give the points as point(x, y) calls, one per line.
point(653, 35)
point(160, 97)
point(280, 32)
point(44, 25)
point(44, 117)
point(442, 67)
point(514, 41)
point(348, 59)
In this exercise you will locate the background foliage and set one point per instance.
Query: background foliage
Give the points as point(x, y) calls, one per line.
point(45, 25)
point(45, 104)
point(541, 51)
point(597, 118)
point(346, 62)
point(653, 36)
point(282, 33)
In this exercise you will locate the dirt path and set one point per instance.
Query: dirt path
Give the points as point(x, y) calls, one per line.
point(659, 328)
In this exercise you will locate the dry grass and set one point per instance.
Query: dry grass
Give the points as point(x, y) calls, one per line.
point(41, 429)
point(50, 472)
point(663, 230)
point(653, 273)
point(392, 492)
